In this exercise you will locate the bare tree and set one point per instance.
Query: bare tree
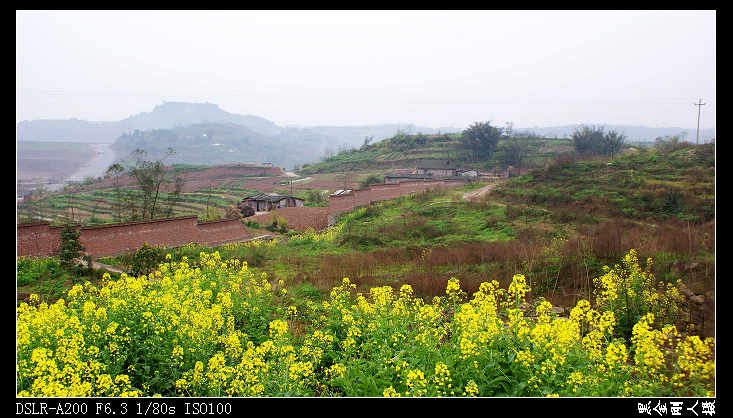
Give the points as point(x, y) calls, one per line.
point(149, 176)
point(117, 170)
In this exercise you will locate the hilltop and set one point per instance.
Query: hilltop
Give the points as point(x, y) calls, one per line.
point(203, 133)
point(405, 151)
point(164, 116)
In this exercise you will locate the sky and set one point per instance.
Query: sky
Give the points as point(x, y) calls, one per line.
point(429, 68)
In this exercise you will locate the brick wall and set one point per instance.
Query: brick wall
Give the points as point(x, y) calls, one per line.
point(108, 240)
point(40, 239)
point(299, 218)
point(37, 239)
point(382, 192)
point(318, 217)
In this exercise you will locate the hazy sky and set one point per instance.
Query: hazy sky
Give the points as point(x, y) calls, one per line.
point(432, 68)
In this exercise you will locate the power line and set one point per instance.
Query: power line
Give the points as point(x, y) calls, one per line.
point(699, 105)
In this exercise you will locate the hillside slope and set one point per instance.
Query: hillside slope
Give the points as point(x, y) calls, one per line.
point(638, 185)
point(405, 151)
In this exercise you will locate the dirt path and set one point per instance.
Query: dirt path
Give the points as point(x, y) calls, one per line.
point(480, 192)
point(107, 267)
point(97, 266)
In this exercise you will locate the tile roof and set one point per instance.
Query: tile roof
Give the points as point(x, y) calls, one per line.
point(271, 197)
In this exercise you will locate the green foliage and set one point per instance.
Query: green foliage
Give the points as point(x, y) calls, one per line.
point(210, 214)
point(315, 198)
point(277, 223)
point(431, 217)
point(593, 140)
point(372, 179)
point(145, 259)
point(651, 185)
point(513, 151)
point(253, 224)
point(668, 145)
point(70, 248)
point(632, 292)
point(480, 139)
point(31, 269)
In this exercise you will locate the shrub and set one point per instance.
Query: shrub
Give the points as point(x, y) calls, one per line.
point(70, 248)
point(31, 269)
point(372, 179)
point(145, 259)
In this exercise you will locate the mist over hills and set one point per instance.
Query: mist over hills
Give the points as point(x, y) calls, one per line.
point(164, 116)
point(203, 133)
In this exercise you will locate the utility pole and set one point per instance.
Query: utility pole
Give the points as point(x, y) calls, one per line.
point(699, 104)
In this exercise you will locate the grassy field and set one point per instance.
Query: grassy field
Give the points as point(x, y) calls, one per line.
point(649, 185)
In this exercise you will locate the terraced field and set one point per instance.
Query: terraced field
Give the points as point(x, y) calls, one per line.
point(100, 206)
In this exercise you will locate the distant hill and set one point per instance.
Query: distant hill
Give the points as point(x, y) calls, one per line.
point(219, 143)
point(171, 115)
point(634, 133)
point(165, 116)
point(228, 143)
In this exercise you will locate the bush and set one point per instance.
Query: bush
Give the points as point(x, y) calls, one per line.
point(594, 140)
point(253, 224)
point(315, 198)
point(372, 179)
point(32, 269)
point(145, 259)
point(70, 248)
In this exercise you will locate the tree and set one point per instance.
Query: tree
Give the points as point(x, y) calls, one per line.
point(480, 139)
point(372, 179)
point(592, 140)
point(116, 170)
point(315, 198)
point(149, 176)
point(70, 248)
point(612, 143)
point(668, 144)
point(509, 130)
point(587, 139)
point(174, 197)
point(513, 152)
point(36, 204)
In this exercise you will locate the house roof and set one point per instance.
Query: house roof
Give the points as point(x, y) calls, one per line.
point(269, 197)
point(341, 192)
point(409, 176)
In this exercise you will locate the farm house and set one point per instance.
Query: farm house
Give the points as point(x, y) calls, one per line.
point(265, 202)
point(436, 168)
